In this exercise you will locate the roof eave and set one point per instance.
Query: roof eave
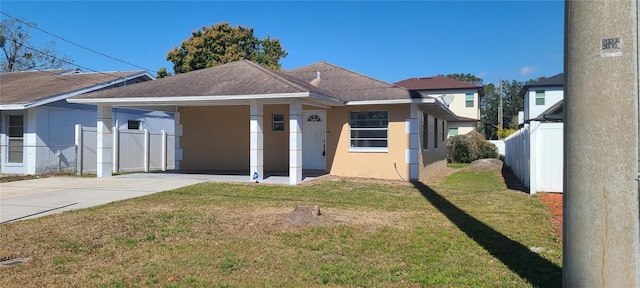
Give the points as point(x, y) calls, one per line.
point(12, 107)
point(69, 94)
point(182, 100)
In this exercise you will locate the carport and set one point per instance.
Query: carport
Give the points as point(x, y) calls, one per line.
point(227, 87)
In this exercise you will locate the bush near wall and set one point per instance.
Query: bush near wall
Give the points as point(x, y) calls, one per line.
point(469, 147)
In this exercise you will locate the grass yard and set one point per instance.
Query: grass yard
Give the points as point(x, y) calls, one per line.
point(468, 230)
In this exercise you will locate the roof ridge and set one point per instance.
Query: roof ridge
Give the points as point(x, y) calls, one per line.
point(391, 85)
point(440, 76)
point(273, 74)
point(311, 64)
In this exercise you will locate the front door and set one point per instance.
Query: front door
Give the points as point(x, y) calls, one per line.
point(314, 140)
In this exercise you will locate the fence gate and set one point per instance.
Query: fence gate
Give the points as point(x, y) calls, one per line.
point(133, 150)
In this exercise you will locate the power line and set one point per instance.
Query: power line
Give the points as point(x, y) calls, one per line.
point(65, 61)
point(76, 44)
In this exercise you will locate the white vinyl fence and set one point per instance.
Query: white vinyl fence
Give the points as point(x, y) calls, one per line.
point(535, 155)
point(133, 150)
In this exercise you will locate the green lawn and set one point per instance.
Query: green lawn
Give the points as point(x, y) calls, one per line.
point(469, 230)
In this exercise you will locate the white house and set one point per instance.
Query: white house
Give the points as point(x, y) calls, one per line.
point(535, 152)
point(540, 95)
point(37, 125)
point(462, 98)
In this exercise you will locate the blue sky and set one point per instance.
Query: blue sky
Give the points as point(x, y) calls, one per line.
point(390, 41)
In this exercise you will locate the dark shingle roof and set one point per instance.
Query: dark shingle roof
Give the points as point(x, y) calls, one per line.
point(30, 86)
point(435, 83)
point(347, 85)
point(557, 80)
point(236, 78)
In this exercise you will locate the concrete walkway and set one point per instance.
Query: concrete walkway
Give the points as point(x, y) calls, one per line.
point(27, 199)
point(38, 197)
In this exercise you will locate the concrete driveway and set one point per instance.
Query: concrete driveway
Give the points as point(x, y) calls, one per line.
point(38, 197)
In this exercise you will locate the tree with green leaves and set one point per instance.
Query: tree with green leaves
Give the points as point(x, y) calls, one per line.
point(19, 54)
point(469, 78)
point(512, 103)
point(162, 72)
point(221, 43)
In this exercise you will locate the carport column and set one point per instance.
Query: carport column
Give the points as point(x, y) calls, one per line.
point(411, 155)
point(295, 142)
point(177, 137)
point(104, 142)
point(257, 142)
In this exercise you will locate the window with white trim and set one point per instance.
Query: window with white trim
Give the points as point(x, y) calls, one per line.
point(369, 130)
point(469, 100)
point(277, 122)
point(453, 132)
point(539, 97)
point(15, 138)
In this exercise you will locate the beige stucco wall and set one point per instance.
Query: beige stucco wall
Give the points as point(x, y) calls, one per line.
point(433, 161)
point(342, 162)
point(463, 127)
point(458, 105)
point(217, 138)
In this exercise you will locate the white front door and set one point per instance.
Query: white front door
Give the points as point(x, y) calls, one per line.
point(314, 140)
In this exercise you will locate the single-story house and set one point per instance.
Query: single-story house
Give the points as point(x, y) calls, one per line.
point(249, 119)
point(463, 98)
point(37, 124)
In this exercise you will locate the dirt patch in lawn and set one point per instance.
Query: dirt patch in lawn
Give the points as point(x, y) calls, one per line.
point(554, 205)
point(488, 164)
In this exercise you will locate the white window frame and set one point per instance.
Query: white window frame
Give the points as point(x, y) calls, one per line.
point(277, 125)
point(10, 138)
point(467, 100)
point(451, 129)
point(368, 149)
point(538, 93)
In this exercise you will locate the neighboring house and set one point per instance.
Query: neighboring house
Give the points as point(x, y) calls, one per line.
point(535, 152)
point(37, 131)
point(461, 97)
point(244, 118)
point(540, 95)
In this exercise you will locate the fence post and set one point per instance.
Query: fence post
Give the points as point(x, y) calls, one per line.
point(146, 150)
point(534, 144)
point(116, 149)
point(79, 149)
point(164, 150)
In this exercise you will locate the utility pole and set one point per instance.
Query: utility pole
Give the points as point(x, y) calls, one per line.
point(601, 245)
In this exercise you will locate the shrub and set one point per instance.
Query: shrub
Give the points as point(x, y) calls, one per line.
point(504, 133)
point(469, 147)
